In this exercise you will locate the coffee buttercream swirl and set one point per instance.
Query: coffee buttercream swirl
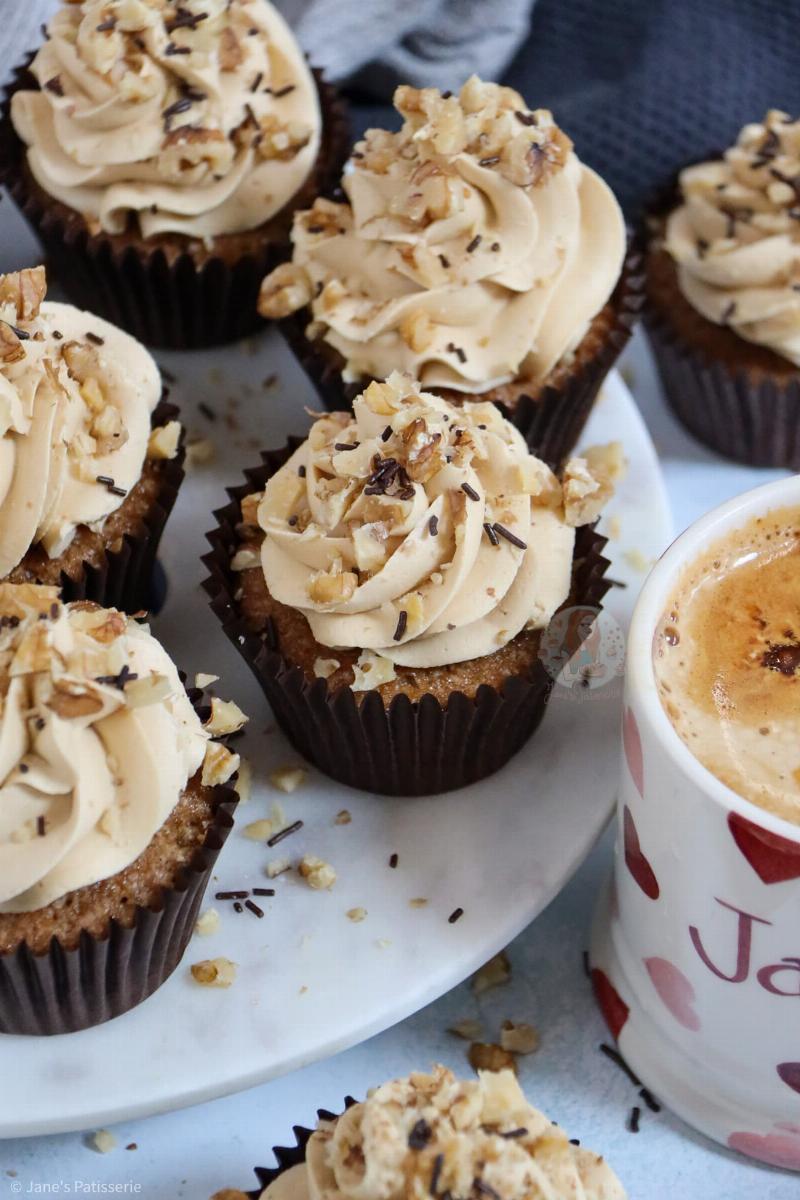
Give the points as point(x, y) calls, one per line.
point(199, 117)
point(423, 531)
point(736, 236)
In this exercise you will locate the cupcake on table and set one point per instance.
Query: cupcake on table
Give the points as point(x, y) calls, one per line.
point(473, 250)
point(388, 580)
point(435, 1135)
point(112, 811)
point(159, 148)
point(723, 296)
point(90, 457)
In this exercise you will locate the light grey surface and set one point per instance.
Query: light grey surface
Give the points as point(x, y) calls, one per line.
point(193, 1153)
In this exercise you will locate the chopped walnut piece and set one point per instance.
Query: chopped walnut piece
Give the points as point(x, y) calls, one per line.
point(418, 902)
point(588, 482)
point(199, 452)
point(487, 1056)
point(249, 507)
point(207, 923)
point(325, 667)
point(104, 1141)
point(343, 817)
point(71, 704)
point(25, 290)
point(164, 441)
point(246, 558)
point(231, 54)
point(259, 831)
point(219, 764)
point(371, 671)
point(107, 429)
point(492, 974)
point(356, 914)
point(382, 398)
point(105, 626)
point(244, 781)
point(317, 873)
point(276, 138)
point(189, 147)
point(82, 359)
point(288, 779)
point(11, 348)
point(278, 866)
point(150, 689)
point(331, 587)
point(518, 1037)
point(214, 972)
point(417, 330)
point(469, 1029)
point(226, 717)
point(535, 155)
point(284, 291)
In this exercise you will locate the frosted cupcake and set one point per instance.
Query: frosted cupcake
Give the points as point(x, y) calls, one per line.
point(723, 288)
point(159, 149)
point(473, 250)
point(90, 458)
point(437, 1136)
point(111, 811)
point(388, 581)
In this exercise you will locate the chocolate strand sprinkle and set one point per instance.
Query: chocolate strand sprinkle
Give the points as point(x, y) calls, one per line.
point(95, 339)
point(263, 891)
point(301, 471)
point(284, 833)
point(402, 621)
point(106, 26)
point(40, 826)
point(253, 908)
point(433, 525)
point(283, 91)
point(485, 1189)
point(237, 907)
point(509, 536)
point(650, 1100)
point(473, 245)
point(619, 1061)
point(346, 445)
point(22, 334)
point(728, 311)
point(516, 1133)
point(387, 433)
point(207, 411)
point(436, 1173)
point(231, 895)
point(256, 84)
point(175, 109)
point(490, 161)
point(490, 533)
point(633, 1120)
point(394, 860)
point(171, 48)
point(525, 118)
point(444, 260)
point(455, 915)
point(469, 490)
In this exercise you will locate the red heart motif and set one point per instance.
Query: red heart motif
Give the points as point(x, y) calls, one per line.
point(612, 1006)
point(789, 1072)
point(773, 858)
point(632, 741)
point(635, 860)
point(674, 990)
point(780, 1149)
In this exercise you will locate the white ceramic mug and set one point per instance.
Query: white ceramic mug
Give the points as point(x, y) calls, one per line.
point(696, 946)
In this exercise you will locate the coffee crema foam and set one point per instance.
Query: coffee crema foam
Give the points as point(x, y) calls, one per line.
point(727, 661)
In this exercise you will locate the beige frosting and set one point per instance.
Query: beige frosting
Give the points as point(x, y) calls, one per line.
point(76, 397)
point(423, 532)
point(200, 118)
point(736, 236)
point(431, 1135)
point(474, 247)
point(97, 741)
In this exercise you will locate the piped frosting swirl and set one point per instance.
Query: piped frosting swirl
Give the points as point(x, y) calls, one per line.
point(432, 1135)
point(736, 236)
point(199, 117)
point(97, 741)
point(474, 247)
point(424, 532)
point(76, 396)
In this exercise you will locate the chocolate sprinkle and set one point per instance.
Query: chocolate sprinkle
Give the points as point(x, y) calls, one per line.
point(292, 520)
point(525, 118)
point(231, 895)
point(23, 768)
point(633, 1120)
point(54, 85)
point(728, 311)
point(177, 107)
point(455, 915)
point(473, 245)
point(256, 84)
point(485, 1189)
point(574, 1141)
point(490, 533)
point(284, 91)
point(444, 260)
point(387, 433)
point(40, 826)
point(650, 1100)
point(394, 860)
point(420, 1135)
point(237, 907)
point(436, 1173)
point(21, 333)
point(171, 48)
point(469, 490)
point(495, 246)
point(207, 410)
point(284, 833)
point(346, 445)
point(433, 525)
point(619, 1061)
point(95, 339)
point(125, 675)
point(452, 348)
point(515, 1133)
point(509, 536)
point(263, 891)
point(184, 19)
point(301, 471)
point(253, 908)
point(490, 161)
point(402, 621)
point(106, 26)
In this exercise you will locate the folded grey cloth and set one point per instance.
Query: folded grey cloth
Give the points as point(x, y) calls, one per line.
point(381, 42)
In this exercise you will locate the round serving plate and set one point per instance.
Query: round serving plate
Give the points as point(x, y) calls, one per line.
point(310, 980)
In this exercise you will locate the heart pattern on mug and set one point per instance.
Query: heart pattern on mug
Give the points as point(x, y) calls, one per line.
point(674, 990)
point(779, 1149)
point(635, 859)
point(789, 1073)
point(773, 858)
point(612, 1006)
point(634, 756)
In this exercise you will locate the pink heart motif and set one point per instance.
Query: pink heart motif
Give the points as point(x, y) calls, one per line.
point(674, 990)
point(779, 1149)
point(611, 1004)
point(632, 741)
point(773, 858)
point(789, 1073)
point(635, 860)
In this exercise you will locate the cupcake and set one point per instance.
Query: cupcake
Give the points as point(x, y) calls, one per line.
point(112, 811)
point(90, 458)
point(388, 581)
point(435, 1135)
point(472, 250)
point(723, 296)
point(159, 150)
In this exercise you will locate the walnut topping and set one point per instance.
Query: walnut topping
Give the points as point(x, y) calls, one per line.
point(331, 587)
point(288, 779)
point(226, 718)
point(214, 972)
point(25, 290)
point(231, 54)
point(83, 361)
point(284, 291)
point(589, 480)
point(371, 671)
point(69, 703)
point(11, 347)
point(417, 330)
point(468, 1028)
point(164, 441)
point(249, 508)
point(317, 873)
point(518, 1037)
point(188, 147)
point(207, 923)
point(218, 765)
point(487, 1056)
point(246, 558)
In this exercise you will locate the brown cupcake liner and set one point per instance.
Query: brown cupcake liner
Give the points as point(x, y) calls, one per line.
point(551, 421)
point(160, 293)
point(123, 579)
point(292, 1156)
point(64, 990)
point(750, 418)
point(408, 748)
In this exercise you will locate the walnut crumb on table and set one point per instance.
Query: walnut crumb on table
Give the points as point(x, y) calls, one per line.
point(288, 778)
point(518, 1037)
point(494, 973)
point(317, 873)
point(356, 914)
point(469, 1029)
point(214, 972)
point(487, 1056)
point(103, 1141)
point(207, 923)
